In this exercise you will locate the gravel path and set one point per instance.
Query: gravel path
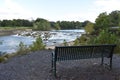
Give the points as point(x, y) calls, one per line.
point(37, 66)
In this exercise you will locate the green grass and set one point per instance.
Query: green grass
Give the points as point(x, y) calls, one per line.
point(14, 28)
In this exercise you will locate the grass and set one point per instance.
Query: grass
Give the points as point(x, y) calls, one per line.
point(14, 28)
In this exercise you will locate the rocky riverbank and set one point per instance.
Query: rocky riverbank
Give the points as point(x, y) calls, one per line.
point(4, 32)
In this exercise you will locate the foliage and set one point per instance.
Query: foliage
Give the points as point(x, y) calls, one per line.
point(55, 25)
point(102, 22)
point(76, 42)
point(65, 43)
point(71, 24)
point(42, 24)
point(22, 49)
point(114, 18)
point(106, 37)
point(85, 23)
point(105, 20)
point(2, 59)
point(37, 45)
point(83, 40)
point(16, 23)
point(89, 28)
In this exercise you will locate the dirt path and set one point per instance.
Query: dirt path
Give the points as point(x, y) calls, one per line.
point(37, 66)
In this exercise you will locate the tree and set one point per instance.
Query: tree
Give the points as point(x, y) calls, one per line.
point(102, 22)
point(114, 18)
point(89, 28)
point(55, 25)
point(106, 37)
point(85, 23)
point(41, 24)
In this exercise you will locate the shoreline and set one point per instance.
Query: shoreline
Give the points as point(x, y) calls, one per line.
point(6, 32)
point(62, 44)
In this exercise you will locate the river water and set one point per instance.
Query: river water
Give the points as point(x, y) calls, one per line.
point(9, 44)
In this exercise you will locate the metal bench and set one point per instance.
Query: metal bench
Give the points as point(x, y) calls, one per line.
point(63, 53)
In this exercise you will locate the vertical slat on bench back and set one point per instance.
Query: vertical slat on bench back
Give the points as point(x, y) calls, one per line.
point(73, 52)
point(83, 52)
point(102, 50)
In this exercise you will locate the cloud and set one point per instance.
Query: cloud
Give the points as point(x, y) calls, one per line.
point(108, 5)
point(79, 16)
point(12, 10)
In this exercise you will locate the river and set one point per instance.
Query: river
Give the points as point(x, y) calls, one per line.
point(9, 44)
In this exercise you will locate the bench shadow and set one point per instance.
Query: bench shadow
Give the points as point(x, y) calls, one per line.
point(77, 70)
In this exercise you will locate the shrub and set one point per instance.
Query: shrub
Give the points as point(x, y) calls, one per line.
point(23, 49)
point(65, 43)
point(106, 37)
point(2, 59)
point(82, 40)
point(37, 45)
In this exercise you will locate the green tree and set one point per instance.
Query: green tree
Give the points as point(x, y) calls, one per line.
point(114, 18)
point(105, 37)
point(89, 28)
point(102, 22)
point(85, 23)
point(41, 24)
point(55, 25)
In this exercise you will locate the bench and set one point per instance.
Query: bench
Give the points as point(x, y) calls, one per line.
point(62, 53)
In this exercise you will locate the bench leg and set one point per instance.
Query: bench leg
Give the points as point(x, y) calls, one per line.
point(111, 63)
point(54, 69)
point(52, 64)
point(102, 60)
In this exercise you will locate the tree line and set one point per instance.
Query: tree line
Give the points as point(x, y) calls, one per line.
point(16, 23)
point(102, 21)
point(43, 24)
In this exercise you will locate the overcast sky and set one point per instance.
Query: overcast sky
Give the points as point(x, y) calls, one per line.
point(54, 10)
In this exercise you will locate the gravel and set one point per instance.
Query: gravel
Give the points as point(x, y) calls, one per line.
point(37, 66)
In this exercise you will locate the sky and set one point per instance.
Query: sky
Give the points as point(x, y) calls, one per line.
point(56, 10)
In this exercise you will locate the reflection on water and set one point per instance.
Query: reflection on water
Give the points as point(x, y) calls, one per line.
point(10, 43)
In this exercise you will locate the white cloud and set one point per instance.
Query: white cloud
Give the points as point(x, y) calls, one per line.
point(78, 16)
point(11, 9)
point(108, 5)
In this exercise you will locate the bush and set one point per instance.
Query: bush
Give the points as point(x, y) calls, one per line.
point(23, 49)
point(2, 59)
point(106, 37)
point(82, 40)
point(65, 43)
point(37, 45)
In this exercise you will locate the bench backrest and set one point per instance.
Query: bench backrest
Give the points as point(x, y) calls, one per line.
point(83, 52)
